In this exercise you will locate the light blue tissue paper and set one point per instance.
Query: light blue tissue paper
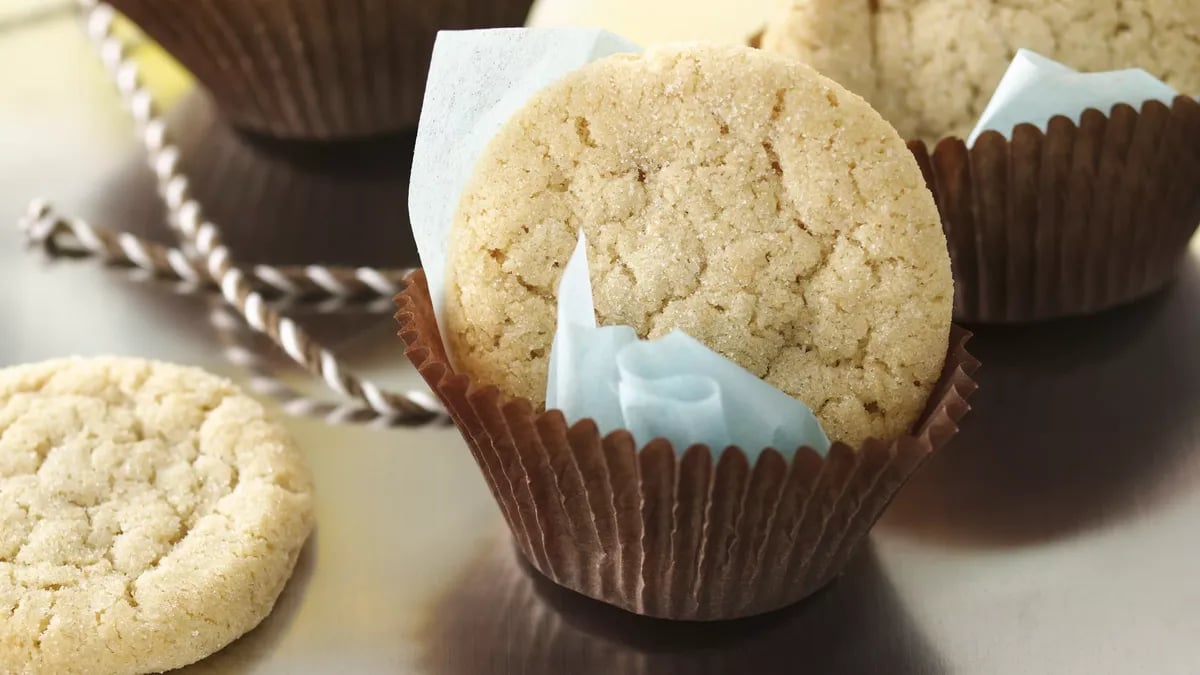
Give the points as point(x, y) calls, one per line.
point(685, 410)
point(673, 387)
point(1036, 89)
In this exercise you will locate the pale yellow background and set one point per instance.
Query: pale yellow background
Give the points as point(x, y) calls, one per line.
point(15, 7)
point(643, 21)
point(647, 21)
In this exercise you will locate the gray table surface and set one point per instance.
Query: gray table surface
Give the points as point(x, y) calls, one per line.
point(1059, 533)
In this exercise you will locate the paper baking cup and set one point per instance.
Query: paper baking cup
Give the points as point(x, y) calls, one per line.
point(675, 535)
point(313, 69)
point(1072, 221)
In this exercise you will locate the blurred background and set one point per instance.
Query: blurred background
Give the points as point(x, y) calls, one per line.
point(1057, 534)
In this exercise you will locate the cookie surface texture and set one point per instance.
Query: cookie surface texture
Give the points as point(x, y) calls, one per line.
point(727, 192)
point(149, 515)
point(931, 66)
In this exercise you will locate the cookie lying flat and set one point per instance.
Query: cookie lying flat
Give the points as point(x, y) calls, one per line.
point(149, 516)
point(730, 193)
point(930, 66)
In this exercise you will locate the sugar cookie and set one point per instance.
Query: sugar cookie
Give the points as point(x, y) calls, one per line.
point(149, 515)
point(731, 193)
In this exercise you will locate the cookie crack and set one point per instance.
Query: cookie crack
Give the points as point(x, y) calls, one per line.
point(169, 547)
point(861, 349)
point(584, 132)
point(43, 626)
point(653, 318)
point(129, 594)
point(773, 157)
point(780, 104)
point(501, 259)
point(43, 450)
point(819, 410)
point(803, 278)
point(534, 289)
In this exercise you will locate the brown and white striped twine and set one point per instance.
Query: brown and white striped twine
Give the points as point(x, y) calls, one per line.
point(213, 257)
point(75, 238)
point(232, 333)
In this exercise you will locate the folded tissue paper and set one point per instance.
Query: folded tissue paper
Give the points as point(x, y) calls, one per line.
point(673, 387)
point(1035, 89)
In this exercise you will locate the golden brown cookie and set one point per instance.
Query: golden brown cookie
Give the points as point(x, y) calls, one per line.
point(730, 193)
point(149, 515)
point(931, 66)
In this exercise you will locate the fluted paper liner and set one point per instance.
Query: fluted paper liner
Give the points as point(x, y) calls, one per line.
point(313, 69)
point(1072, 221)
point(677, 536)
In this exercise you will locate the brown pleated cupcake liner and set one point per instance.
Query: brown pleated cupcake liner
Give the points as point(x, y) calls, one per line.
point(314, 69)
point(548, 630)
point(676, 535)
point(1072, 221)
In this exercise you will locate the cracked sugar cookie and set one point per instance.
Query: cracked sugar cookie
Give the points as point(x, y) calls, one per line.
point(149, 515)
point(731, 193)
point(931, 66)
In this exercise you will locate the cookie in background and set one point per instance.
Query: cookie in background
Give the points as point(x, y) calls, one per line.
point(930, 66)
point(1090, 200)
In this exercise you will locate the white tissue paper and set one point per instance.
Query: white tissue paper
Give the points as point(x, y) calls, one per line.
point(1035, 89)
point(674, 387)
